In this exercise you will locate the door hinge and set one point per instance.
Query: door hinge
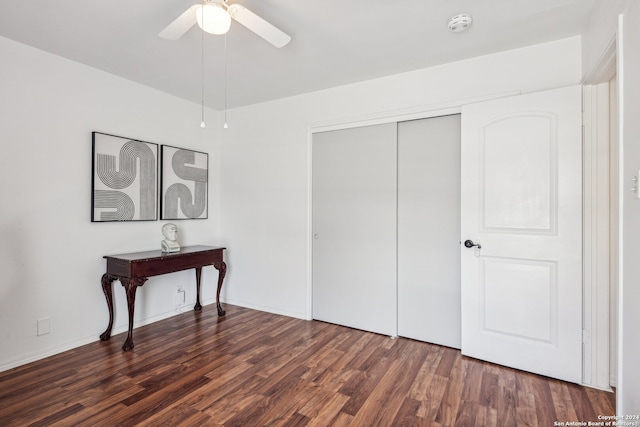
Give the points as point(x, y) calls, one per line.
point(585, 336)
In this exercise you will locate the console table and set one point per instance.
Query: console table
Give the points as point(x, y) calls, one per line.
point(132, 270)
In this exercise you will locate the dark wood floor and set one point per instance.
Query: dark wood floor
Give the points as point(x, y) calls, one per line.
point(251, 368)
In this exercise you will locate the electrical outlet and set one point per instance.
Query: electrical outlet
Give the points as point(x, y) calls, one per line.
point(180, 297)
point(44, 326)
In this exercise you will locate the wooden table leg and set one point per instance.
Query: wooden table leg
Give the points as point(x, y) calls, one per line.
point(131, 285)
point(222, 270)
point(198, 306)
point(107, 288)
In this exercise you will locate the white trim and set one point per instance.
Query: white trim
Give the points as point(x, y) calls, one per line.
point(613, 230)
point(605, 67)
point(52, 351)
point(309, 309)
point(621, 78)
point(596, 236)
point(117, 329)
point(265, 308)
point(444, 108)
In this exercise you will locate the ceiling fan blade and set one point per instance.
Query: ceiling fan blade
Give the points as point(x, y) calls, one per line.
point(181, 25)
point(258, 25)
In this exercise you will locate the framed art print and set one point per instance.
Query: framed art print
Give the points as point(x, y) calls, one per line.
point(184, 183)
point(124, 179)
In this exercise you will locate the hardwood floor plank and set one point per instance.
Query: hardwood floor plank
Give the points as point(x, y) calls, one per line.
point(209, 397)
point(362, 385)
point(179, 417)
point(251, 368)
point(320, 362)
point(472, 371)
point(147, 407)
point(15, 392)
point(321, 412)
point(426, 373)
point(446, 361)
point(466, 416)
point(91, 417)
point(441, 401)
point(296, 420)
point(227, 409)
point(407, 414)
point(489, 390)
point(342, 420)
point(507, 407)
point(525, 413)
point(386, 399)
point(545, 409)
point(450, 401)
point(334, 377)
point(602, 403)
point(581, 403)
point(36, 407)
point(368, 345)
point(294, 397)
point(486, 416)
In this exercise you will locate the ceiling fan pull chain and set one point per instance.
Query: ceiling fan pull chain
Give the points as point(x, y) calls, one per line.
point(202, 124)
point(225, 82)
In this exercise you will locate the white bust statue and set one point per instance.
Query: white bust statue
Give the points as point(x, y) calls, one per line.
point(170, 233)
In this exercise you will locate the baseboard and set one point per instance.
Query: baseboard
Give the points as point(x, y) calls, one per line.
point(117, 329)
point(267, 309)
point(79, 342)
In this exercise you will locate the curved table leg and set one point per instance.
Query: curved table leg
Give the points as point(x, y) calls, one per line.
point(222, 270)
point(131, 285)
point(107, 288)
point(198, 306)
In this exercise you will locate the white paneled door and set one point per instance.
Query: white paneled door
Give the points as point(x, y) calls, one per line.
point(521, 215)
point(354, 227)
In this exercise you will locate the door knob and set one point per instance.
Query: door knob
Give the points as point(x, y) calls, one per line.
point(470, 244)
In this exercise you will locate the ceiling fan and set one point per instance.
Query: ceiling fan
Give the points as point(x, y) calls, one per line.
point(214, 16)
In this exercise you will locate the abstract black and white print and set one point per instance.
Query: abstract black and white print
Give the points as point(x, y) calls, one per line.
point(185, 176)
point(125, 179)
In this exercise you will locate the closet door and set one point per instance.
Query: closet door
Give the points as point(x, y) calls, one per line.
point(429, 230)
point(354, 227)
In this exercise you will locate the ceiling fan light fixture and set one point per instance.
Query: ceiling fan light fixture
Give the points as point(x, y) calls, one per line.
point(213, 19)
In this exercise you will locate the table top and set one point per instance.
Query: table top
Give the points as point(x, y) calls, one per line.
point(147, 255)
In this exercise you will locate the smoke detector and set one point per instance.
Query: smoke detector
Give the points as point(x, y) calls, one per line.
point(460, 23)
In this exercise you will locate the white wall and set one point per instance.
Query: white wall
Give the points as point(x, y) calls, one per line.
point(265, 173)
point(51, 255)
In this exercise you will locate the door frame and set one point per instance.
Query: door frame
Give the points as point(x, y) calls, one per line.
point(600, 319)
point(598, 243)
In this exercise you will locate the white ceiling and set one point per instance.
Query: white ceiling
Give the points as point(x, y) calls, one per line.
point(333, 42)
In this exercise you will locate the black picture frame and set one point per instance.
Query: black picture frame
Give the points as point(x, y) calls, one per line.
point(184, 183)
point(124, 183)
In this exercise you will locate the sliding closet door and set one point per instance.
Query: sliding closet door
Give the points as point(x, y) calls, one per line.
point(429, 230)
point(354, 227)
